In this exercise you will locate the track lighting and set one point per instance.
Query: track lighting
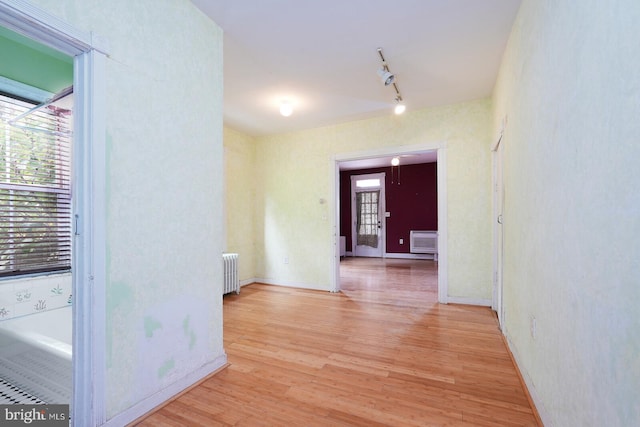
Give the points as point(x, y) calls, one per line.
point(389, 79)
point(386, 76)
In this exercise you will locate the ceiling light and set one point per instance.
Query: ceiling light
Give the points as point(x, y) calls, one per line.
point(386, 76)
point(395, 161)
point(286, 109)
point(400, 107)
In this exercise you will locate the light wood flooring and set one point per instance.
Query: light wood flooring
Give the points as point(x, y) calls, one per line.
point(382, 352)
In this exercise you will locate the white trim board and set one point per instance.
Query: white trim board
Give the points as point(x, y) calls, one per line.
point(482, 302)
point(23, 91)
point(286, 284)
point(149, 404)
point(443, 228)
point(248, 281)
point(409, 256)
point(544, 416)
point(32, 22)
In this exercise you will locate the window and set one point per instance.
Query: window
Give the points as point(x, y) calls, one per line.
point(368, 224)
point(368, 183)
point(35, 188)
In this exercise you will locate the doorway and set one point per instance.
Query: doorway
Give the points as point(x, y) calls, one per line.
point(367, 208)
point(88, 181)
point(364, 160)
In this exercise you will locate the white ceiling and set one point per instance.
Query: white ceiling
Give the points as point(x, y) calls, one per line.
point(322, 56)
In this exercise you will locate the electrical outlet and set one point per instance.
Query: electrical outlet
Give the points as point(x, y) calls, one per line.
point(402, 241)
point(534, 328)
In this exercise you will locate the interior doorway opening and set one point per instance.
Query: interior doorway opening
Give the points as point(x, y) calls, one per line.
point(396, 246)
point(88, 181)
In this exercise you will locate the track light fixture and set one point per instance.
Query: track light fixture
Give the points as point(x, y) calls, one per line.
point(390, 79)
point(386, 76)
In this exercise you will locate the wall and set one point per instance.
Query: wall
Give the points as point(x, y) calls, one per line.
point(294, 176)
point(165, 228)
point(569, 85)
point(240, 196)
point(411, 199)
point(33, 64)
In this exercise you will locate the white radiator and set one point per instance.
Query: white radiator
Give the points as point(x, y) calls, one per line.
point(231, 278)
point(424, 242)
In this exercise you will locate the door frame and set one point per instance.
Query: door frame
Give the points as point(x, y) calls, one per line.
point(382, 244)
point(497, 157)
point(441, 148)
point(88, 180)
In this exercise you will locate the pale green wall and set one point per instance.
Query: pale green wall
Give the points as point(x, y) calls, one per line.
point(570, 88)
point(294, 171)
point(27, 62)
point(165, 190)
point(240, 195)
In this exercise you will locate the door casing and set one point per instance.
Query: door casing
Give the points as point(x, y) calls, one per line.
point(441, 148)
point(497, 152)
point(88, 180)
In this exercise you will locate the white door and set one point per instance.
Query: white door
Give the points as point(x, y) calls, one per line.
point(367, 214)
point(498, 234)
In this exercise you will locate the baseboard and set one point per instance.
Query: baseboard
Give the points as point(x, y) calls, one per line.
point(147, 405)
point(248, 281)
point(409, 256)
point(469, 301)
point(400, 255)
point(541, 416)
point(291, 284)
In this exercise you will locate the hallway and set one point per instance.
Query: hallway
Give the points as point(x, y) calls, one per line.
point(381, 352)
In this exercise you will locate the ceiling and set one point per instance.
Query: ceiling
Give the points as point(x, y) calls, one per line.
point(322, 57)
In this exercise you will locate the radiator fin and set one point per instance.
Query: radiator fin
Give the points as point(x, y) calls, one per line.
point(231, 278)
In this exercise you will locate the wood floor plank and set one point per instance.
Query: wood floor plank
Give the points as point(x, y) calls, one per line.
point(382, 352)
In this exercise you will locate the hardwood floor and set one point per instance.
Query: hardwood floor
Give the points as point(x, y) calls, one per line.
point(382, 352)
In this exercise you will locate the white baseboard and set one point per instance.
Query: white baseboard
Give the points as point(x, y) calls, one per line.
point(409, 256)
point(469, 301)
point(248, 281)
point(157, 399)
point(401, 255)
point(544, 416)
point(301, 285)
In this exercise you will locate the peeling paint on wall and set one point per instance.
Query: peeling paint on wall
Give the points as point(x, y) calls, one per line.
point(166, 367)
point(168, 339)
point(151, 325)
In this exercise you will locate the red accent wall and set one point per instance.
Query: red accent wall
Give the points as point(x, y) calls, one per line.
point(412, 200)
